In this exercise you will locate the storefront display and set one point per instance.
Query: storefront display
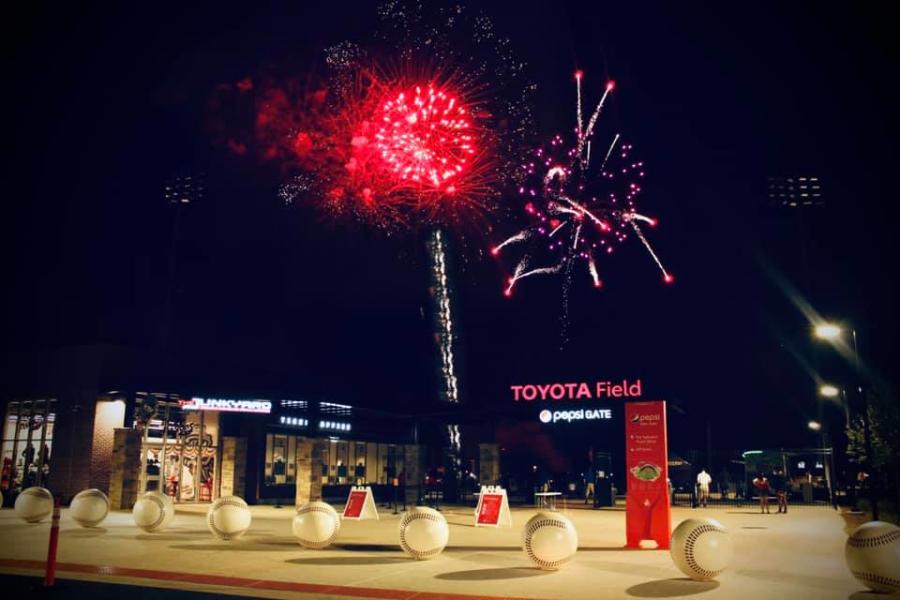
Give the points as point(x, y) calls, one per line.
point(27, 443)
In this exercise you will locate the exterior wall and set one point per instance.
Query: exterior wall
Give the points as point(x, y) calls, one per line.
point(70, 464)
point(126, 468)
point(488, 464)
point(108, 416)
point(234, 466)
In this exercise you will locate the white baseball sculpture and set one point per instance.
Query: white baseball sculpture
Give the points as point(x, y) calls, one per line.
point(872, 553)
point(423, 533)
point(89, 507)
point(153, 511)
point(549, 540)
point(701, 548)
point(316, 525)
point(228, 518)
point(34, 504)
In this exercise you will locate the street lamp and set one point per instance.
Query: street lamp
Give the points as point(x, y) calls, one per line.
point(827, 331)
point(829, 391)
point(832, 332)
point(814, 425)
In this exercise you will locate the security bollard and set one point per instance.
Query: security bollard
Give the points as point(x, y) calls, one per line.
point(50, 574)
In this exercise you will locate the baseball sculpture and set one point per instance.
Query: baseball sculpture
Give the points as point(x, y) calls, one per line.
point(153, 512)
point(34, 504)
point(316, 525)
point(701, 548)
point(423, 533)
point(872, 553)
point(549, 540)
point(89, 507)
point(228, 518)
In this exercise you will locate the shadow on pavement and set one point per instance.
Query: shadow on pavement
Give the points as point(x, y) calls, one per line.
point(868, 595)
point(236, 546)
point(492, 574)
point(367, 547)
point(327, 561)
point(670, 588)
point(87, 532)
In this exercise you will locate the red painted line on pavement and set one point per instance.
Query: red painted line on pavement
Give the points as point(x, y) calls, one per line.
point(246, 583)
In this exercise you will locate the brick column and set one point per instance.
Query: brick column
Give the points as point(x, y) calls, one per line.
point(318, 458)
point(414, 467)
point(234, 466)
point(488, 464)
point(303, 471)
point(125, 473)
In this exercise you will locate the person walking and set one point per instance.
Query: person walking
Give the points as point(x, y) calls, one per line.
point(763, 487)
point(703, 481)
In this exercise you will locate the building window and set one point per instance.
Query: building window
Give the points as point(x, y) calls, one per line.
point(358, 463)
point(27, 443)
point(281, 459)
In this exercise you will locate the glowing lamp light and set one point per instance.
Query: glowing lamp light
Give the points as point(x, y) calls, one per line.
point(814, 425)
point(827, 331)
point(829, 391)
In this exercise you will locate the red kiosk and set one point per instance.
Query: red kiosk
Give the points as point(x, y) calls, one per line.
point(647, 512)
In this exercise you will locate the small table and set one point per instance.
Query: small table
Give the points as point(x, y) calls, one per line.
point(547, 499)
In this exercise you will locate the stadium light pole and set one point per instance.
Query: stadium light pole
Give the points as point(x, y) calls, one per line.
point(832, 332)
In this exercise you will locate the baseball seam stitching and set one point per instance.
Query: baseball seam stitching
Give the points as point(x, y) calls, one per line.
point(689, 543)
point(328, 511)
point(529, 531)
point(404, 523)
point(222, 535)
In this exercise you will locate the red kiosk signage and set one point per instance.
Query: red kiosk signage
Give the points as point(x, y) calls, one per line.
point(647, 514)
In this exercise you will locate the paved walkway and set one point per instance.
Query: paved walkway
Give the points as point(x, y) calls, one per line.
point(798, 555)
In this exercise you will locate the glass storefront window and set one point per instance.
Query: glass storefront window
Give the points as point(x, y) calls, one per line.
point(27, 443)
point(180, 448)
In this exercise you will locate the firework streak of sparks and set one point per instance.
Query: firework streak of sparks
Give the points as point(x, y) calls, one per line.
point(576, 213)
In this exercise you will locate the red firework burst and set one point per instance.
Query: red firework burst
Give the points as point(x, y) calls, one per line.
point(389, 150)
point(425, 138)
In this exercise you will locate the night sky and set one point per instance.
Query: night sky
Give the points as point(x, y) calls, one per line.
point(104, 104)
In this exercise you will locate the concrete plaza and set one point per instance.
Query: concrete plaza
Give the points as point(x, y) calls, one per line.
point(797, 555)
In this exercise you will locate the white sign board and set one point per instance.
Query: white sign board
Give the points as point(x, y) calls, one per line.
point(360, 504)
point(493, 507)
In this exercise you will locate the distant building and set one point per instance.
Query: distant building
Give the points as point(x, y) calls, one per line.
point(795, 192)
point(185, 189)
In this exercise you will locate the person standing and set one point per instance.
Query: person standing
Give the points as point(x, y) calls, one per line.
point(763, 487)
point(780, 485)
point(590, 480)
point(703, 481)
